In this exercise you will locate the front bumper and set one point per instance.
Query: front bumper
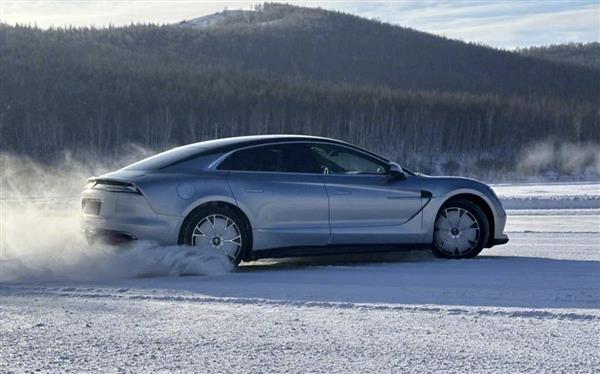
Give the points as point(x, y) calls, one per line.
point(501, 240)
point(498, 236)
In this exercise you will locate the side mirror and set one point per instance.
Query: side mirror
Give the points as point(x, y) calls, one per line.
point(395, 172)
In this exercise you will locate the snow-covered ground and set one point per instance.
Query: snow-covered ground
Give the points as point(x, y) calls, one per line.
point(582, 195)
point(530, 305)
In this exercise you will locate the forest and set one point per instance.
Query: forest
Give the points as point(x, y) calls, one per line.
point(434, 104)
point(584, 54)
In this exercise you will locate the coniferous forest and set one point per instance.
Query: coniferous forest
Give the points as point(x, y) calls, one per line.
point(434, 104)
point(584, 54)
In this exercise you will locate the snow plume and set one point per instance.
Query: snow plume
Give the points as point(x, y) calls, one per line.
point(551, 157)
point(40, 238)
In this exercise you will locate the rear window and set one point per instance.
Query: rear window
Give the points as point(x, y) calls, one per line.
point(188, 152)
point(167, 158)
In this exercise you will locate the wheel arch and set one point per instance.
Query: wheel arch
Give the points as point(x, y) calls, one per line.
point(481, 203)
point(214, 203)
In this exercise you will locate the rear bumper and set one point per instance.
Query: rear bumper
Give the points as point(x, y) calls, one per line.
point(124, 217)
point(108, 236)
point(160, 229)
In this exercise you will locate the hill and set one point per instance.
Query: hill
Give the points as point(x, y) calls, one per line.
point(325, 45)
point(460, 108)
point(584, 54)
point(341, 48)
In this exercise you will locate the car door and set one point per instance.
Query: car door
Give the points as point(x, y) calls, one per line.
point(367, 205)
point(283, 193)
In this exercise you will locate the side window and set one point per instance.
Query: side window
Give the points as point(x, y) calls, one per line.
point(291, 158)
point(341, 160)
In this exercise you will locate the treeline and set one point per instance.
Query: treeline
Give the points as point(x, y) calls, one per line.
point(49, 107)
point(99, 91)
point(584, 54)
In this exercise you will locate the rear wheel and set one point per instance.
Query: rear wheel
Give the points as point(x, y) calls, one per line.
point(461, 230)
point(217, 228)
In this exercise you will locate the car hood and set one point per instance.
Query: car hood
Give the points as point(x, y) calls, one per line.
point(439, 186)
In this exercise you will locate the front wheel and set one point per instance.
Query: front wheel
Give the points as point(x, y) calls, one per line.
point(461, 230)
point(217, 228)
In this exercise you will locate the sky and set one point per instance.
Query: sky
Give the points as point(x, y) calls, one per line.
point(501, 23)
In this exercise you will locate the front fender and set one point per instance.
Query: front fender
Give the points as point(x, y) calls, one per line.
point(432, 209)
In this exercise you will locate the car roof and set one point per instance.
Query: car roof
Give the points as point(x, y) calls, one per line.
point(227, 144)
point(219, 146)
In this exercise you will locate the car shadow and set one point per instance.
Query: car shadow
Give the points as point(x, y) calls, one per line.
point(339, 260)
point(403, 278)
point(400, 278)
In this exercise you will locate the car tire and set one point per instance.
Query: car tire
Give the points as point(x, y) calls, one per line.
point(218, 227)
point(461, 230)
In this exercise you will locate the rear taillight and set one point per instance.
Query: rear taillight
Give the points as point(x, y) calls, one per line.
point(113, 186)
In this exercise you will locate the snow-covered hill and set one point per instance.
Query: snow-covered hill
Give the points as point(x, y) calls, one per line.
point(216, 19)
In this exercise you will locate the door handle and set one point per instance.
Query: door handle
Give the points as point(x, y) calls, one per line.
point(253, 190)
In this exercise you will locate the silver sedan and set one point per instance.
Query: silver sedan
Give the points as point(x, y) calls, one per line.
point(286, 195)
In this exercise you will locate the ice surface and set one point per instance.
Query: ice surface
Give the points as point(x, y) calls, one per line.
point(530, 305)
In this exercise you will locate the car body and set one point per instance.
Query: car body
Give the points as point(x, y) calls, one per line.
point(289, 195)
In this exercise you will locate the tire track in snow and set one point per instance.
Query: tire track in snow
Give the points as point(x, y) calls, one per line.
point(125, 294)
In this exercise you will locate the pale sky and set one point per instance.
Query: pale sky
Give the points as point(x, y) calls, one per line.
point(503, 23)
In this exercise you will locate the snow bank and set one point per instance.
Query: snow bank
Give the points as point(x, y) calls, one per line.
point(584, 195)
